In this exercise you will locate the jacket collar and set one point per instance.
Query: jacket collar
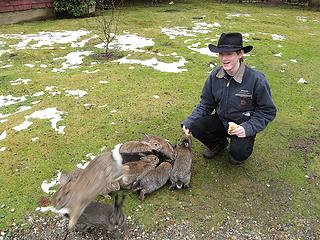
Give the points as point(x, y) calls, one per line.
point(239, 75)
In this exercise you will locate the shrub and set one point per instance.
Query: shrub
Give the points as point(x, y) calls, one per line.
point(75, 8)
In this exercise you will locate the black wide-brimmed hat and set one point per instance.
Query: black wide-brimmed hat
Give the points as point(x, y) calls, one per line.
point(229, 42)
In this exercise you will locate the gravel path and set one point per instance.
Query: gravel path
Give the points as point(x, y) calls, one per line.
point(52, 228)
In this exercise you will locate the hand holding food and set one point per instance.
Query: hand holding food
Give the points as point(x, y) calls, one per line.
point(232, 126)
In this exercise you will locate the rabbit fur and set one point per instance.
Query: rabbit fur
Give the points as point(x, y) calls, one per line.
point(101, 174)
point(181, 172)
point(133, 150)
point(152, 180)
point(166, 150)
point(111, 218)
point(136, 169)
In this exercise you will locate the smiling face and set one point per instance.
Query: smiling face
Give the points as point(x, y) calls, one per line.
point(230, 61)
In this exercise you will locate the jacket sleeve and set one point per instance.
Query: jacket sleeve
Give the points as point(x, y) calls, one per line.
point(265, 110)
point(205, 107)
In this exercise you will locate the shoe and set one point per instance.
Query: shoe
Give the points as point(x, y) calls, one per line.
point(234, 161)
point(207, 153)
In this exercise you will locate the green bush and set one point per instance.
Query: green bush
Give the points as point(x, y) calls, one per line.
point(75, 8)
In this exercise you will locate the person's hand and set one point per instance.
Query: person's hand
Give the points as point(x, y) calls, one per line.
point(185, 130)
point(239, 132)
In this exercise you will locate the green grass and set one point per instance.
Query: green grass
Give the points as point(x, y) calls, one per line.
point(271, 185)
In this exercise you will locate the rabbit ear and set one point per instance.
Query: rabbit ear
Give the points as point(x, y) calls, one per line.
point(122, 200)
point(145, 137)
point(116, 200)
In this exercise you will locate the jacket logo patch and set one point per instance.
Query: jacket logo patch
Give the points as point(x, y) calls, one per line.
point(243, 95)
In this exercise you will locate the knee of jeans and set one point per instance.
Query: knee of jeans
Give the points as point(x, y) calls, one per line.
point(240, 154)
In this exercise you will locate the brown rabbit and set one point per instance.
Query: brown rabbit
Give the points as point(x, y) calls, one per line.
point(133, 150)
point(181, 172)
point(152, 180)
point(136, 169)
point(101, 173)
point(166, 150)
point(100, 215)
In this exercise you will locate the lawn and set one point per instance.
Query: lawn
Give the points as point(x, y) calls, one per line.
point(58, 111)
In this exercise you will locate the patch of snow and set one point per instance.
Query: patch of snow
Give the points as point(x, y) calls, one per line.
point(83, 42)
point(61, 211)
point(278, 54)
point(45, 38)
point(301, 80)
point(5, 115)
point(22, 126)
point(45, 185)
point(204, 51)
point(157, 65)
point(91, 156)
point(7, 66)
point(49, 113)
point(38, 94)
point(83, 165)
point(3, 135)
point(35, 102)
point(23, 108)
point(29, 65)
point(20, 81)
point(278, 37)
point(103, 82)
point(9, 100)
point(238, 15)
point(129, 42)
point(4, 51)
point(294, 60)
point(34, 139)
point(89, 72)
point(73, 60)
point(77, 93)
point(302, 18)
point(2, 149)
point(177, 31)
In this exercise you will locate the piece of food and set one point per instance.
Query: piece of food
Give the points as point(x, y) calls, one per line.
point(232, 126)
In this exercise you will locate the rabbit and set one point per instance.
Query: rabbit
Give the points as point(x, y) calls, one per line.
point(133, 150)
point(111, 218)
point(152, 180)
point(102, 173)
point(136, 169)
point(166, 150)
point(181, 172)
point(71, 177)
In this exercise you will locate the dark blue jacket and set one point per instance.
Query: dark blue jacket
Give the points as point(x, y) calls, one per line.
point(245, 100)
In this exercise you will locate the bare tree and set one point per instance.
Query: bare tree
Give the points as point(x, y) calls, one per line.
point(107, 24)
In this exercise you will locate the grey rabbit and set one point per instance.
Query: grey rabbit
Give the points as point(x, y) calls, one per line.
point(166, 149)
point(101, 174)
point(137, 168)
point(108, 217)
point(181, 172)
point(152, 180)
